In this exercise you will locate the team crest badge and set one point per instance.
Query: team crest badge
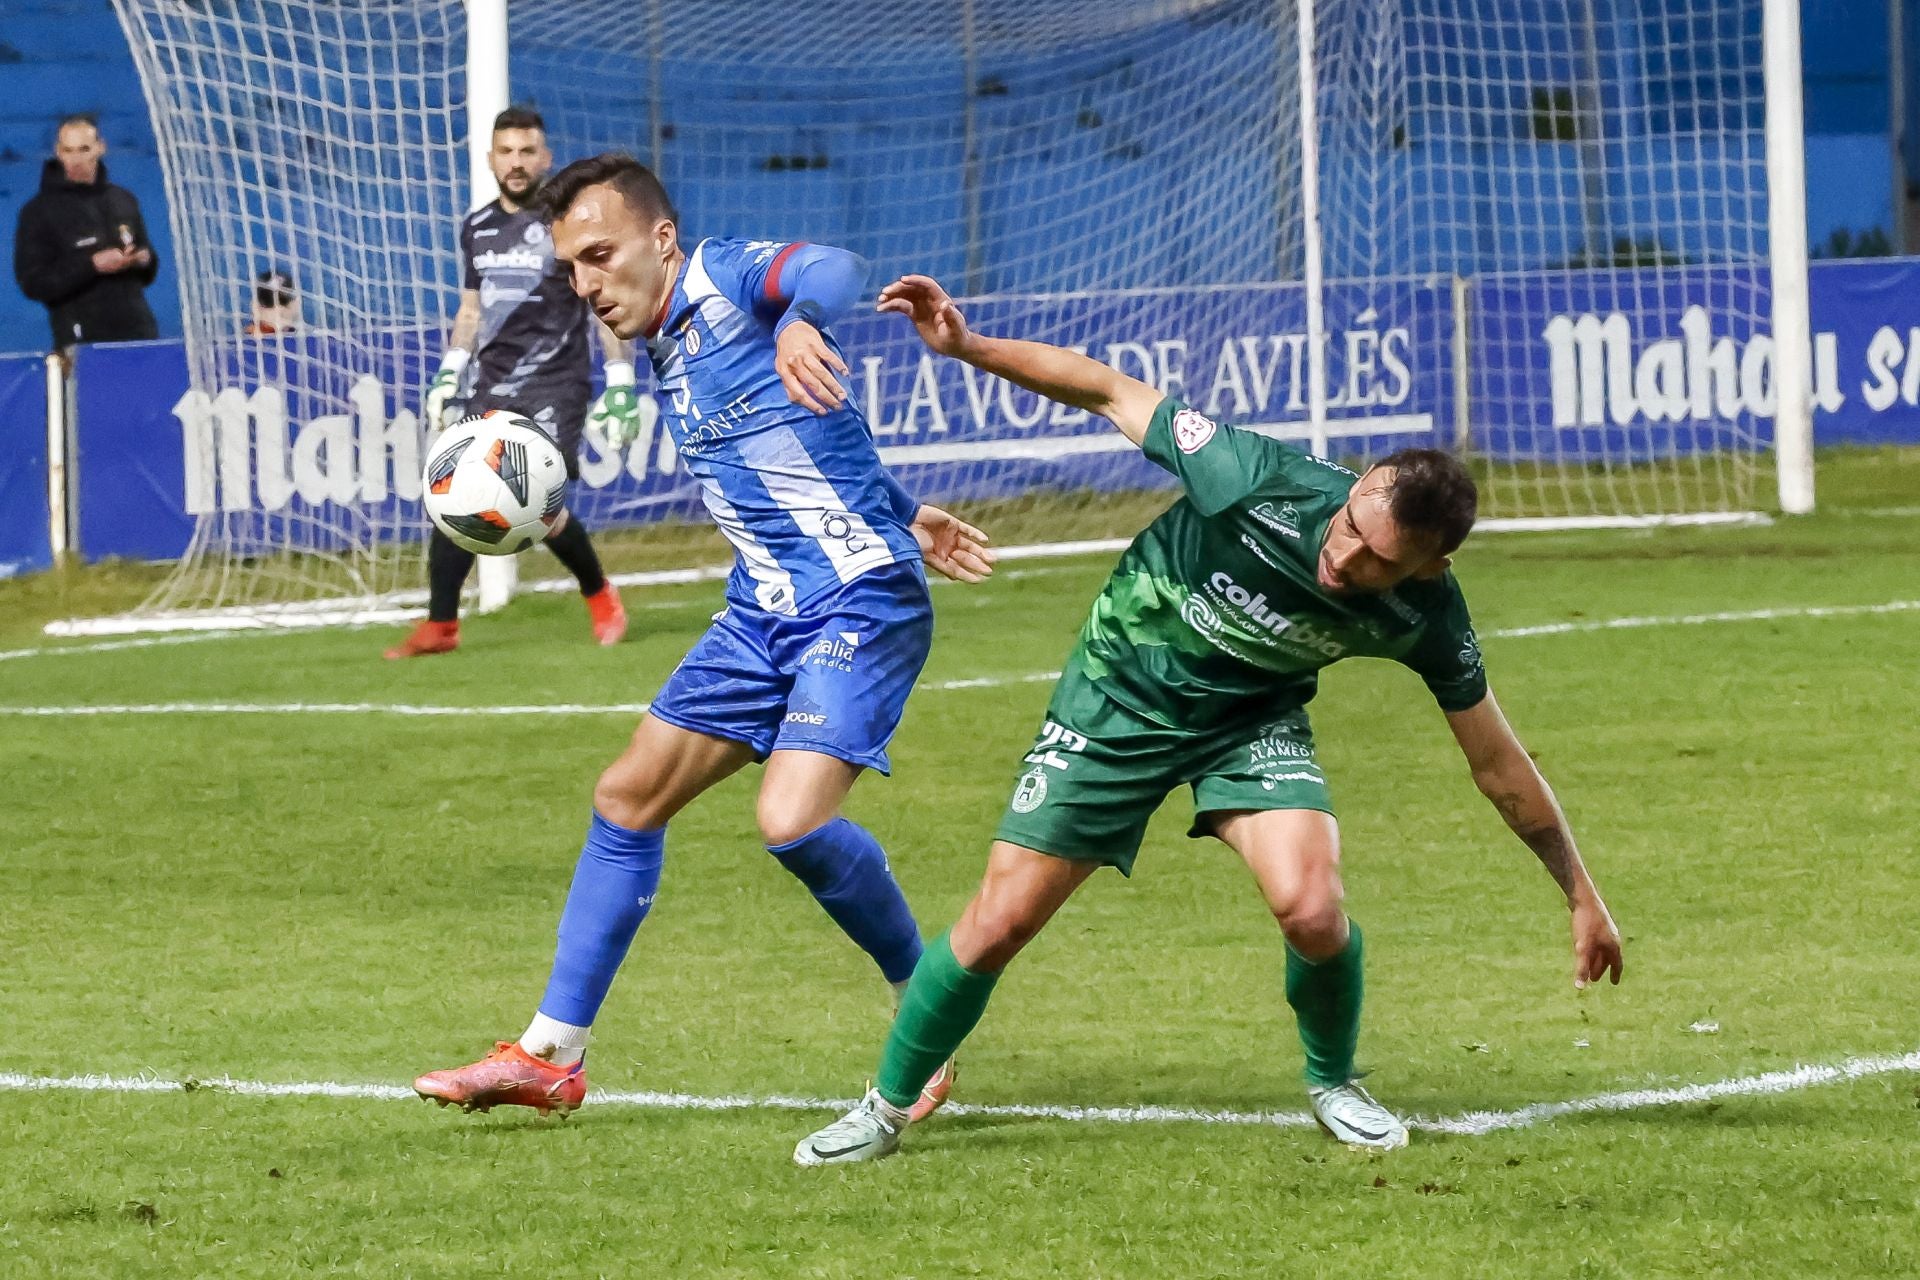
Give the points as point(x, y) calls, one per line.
point(690, 342)
point(1470, 651)
point(1031, 793)
point(534, 233)
point(1191, 430)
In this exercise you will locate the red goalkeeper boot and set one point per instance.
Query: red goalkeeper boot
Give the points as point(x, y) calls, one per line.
point(428, 637)
point(609, 617)
point(507, 1077)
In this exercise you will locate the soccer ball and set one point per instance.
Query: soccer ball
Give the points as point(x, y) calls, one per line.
point(494, 483)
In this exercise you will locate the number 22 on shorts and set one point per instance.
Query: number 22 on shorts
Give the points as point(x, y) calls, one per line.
point(1053, 736)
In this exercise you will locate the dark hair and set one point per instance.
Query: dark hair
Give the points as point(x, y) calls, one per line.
point(1431, 493)
point(519, 118)
point(87, 118)
point(633, 180)
point(273, 288)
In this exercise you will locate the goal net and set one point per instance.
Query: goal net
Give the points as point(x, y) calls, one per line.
point(1535, 233)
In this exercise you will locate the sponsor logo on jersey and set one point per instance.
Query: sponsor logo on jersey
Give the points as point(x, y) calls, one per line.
point(1263, 616)
point(691, 342)
point(703, 431)
point(1199, 615)
point(514, 259)
point(1284, 518)
point(493, 294)
point(1253, 544)
point(1401, 609)
point(1191, 430)
point(1255, 607)
point(1031, 792)
point(839, 526)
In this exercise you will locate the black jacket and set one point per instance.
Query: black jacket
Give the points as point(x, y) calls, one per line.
point(60, 230)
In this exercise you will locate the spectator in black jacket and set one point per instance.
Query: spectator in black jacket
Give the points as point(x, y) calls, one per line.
point(81, 247)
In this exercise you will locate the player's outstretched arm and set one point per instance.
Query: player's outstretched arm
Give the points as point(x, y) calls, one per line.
point(1507, 776)
point(1054, 372)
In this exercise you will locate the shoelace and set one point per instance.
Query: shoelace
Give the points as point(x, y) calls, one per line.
point(852, 1126)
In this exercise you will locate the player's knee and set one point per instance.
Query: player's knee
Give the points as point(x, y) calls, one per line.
point(782, 822)
point(1314, 921)
point(622, 798)
point(991, 933)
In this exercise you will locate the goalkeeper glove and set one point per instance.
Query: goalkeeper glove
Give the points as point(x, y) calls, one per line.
point(444, 387)
point(616, 414)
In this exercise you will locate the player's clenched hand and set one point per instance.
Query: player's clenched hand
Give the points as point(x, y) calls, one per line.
point(1596, 943)
point(923, 301)
point(951, 546)
point(806, 365)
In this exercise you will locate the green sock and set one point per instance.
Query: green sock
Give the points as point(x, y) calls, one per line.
point(1325, 995)
point(941, 1005)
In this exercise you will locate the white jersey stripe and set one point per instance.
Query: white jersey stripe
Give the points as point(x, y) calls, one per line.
point(781, 462)
point(772, 585)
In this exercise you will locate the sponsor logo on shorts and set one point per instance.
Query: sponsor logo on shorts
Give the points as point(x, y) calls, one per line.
point(1191, 430)
point(805, 717)
point(1031, 793)
point(836, 652)
point(1284, 518)
point(1271, 751)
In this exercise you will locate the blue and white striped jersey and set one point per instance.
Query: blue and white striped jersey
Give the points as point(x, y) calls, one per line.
point(802, 497)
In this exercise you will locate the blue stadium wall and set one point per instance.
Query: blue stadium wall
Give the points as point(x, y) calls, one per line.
point(58, 56)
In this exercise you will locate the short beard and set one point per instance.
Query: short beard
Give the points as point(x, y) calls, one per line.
point(526, 196)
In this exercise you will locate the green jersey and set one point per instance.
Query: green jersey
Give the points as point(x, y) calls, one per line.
point(1215, 615)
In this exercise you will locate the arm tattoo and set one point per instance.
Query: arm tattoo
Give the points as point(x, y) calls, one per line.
point(1547, 840)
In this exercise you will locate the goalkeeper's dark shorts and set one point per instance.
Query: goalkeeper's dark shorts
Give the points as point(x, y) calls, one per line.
point(561, 413)
point(1099, 770)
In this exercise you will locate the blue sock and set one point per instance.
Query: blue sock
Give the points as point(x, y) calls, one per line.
point(612, 889)
point(847, 871)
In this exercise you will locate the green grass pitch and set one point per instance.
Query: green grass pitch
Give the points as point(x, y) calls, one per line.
point(359, 896)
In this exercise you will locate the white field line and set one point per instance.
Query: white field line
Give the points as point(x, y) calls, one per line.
point(109, 646)
point(326, 708)
point(975, 682)
point(1700, 619)
point(1466, 1124)
point(395, 606)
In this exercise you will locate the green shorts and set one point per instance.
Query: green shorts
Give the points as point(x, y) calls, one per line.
point(1099, 770)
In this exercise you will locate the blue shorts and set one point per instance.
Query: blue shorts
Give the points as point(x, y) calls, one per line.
point(833, 679)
